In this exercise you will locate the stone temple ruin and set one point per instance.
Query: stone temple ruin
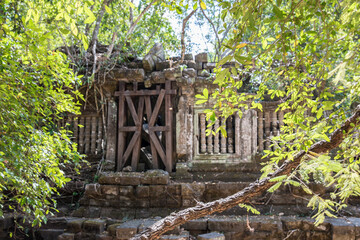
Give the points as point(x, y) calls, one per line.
point(158, 160)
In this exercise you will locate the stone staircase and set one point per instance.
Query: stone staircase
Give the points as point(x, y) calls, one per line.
point(125, 203)
point(210, 228)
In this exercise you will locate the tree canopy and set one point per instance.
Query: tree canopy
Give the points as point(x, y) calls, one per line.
point(304, 53)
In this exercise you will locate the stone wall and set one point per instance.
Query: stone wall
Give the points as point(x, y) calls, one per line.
point(142, 195)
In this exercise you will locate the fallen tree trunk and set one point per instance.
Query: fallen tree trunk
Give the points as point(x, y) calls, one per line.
point(254, 189)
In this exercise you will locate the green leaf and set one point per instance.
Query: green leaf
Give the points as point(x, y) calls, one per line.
point(275, 187)
point(206, 93)
point(108, 10)
point(278, 179)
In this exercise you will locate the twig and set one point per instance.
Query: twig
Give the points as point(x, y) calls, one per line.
point(186, 19)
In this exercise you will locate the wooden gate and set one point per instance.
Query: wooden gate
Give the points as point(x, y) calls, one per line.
point(137, 103)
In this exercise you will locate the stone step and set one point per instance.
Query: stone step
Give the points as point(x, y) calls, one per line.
point(49, 234)
point(218, 228)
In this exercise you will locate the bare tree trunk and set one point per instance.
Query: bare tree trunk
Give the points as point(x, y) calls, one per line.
point(254, 189)
point(183, 34)
point(218, 45)
point(98, 21)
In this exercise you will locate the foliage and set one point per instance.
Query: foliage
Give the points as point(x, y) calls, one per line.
point(305, 53)
point(36, 90)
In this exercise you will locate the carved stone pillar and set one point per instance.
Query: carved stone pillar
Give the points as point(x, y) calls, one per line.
point(202, 133)
point(230, 133)
point(216, 138)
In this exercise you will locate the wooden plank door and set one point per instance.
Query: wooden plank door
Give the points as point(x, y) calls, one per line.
point(143, 98)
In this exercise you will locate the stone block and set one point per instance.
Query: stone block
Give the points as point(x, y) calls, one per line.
point(127, 229)
point(227, 225)
point(50, 234)
point(157, 77)
point(103, 237)
point(158, 177)
point(185, 80)
point(173, 201)
point(92, 190)
point(118, 213)
point(127, 191)
point(158, 201)
point(211, 236)
point(66, 236)
point(75, 225)
point(121, 178)
point(188, 201)
point(155, 55)
point(109, 190)
point(142, 191)
point(197, 225)
point(172, 73)
point(112, 229)
point(160, 66)
point(142, 203)
point(94, 226)
point(203, 73)
point(199, 66)
point(201, 57)
point(93, 212)
point(173, 189)
point(189, 72)
point(342, 229)
point(209, 66)
point(188, 56)
point(190, 64)
point(174, 237)
point(128, 74)
point(157, 191)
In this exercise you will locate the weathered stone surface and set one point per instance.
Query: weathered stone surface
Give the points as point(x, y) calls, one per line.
point(160, 66)
point(209, 65)
point(142, 191)
point(156, 177)
point(121, 178)
point(109, 190)
point(128, 74)
point(211, 236)
point(174, 237)
point(50, 234)
point(198, 224)
point(190, 64)
point(342, 229)
point(157, 77)
point(188, 56)
point(92, 190)
point(66, 236)
point(112, 229)
point(201, 57)
point(75, 225)
point(172, 73)
point(185, 80)
point(128, 229)
point(203, 73)
point(199, 66)
point(127, 191)
point(156, 54)
point(189, 72)
point(94, 226)
point(103, 237)
point(118, 212)
point(226, 225)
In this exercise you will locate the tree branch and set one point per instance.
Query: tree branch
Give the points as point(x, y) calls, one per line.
point(98, 21)
point(132, 27)
point(183, 34)
point(254, 189)
point(217, 46)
